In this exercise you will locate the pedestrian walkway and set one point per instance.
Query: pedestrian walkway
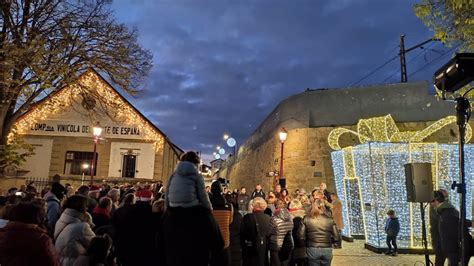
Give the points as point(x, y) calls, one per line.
point(355, 254)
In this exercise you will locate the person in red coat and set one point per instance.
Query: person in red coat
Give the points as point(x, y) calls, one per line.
point(24, 241)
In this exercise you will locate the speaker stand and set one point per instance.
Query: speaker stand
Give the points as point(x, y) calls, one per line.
point(463, 112)
point(423, 235)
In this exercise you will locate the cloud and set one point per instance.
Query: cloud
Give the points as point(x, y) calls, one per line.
point(222, 66)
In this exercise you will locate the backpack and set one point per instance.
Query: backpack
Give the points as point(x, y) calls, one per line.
point(287, 247)
point(253, 246)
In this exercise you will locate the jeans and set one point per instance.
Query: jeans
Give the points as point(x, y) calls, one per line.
point(392, 240)
point(319, 256)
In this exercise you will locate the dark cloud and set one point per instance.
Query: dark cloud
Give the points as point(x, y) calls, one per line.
point(222, 66)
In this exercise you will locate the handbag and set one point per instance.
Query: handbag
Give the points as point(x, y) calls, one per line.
point(253, 246)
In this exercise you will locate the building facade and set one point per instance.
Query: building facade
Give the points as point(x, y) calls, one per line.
point(130, 148)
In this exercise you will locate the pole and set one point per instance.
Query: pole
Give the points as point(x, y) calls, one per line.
point(403, 63)
point(423, 235)
point(462, 107)
point(94, 157)
point(281, 165)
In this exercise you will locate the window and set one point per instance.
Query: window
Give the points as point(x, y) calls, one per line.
point(75, 161)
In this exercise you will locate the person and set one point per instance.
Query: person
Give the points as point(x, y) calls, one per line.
point(12, 191)
point(284, 196)
point(277, 191)
point(243, 201)
point(392, 227)
point(120, 225)
point(323, 187)
point(258, 192)
point(189, 216)
point(253, 234)
point(101, 213)
point(235, 251)
point(440, 258)
point(448, 226)
point(97, 252)
point(114, 195)
point(73, 232)
point(281, 226)
point(298, 257)
point(317, 232)
point(3, 207)
point(24, 241)
point(53, 200)
point(337, 216)
point(223, 213)
point(158, 210)
point(92, 198)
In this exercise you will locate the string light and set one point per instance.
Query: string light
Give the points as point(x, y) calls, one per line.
point(384, 129)
point(377, 184)
point(65, 98)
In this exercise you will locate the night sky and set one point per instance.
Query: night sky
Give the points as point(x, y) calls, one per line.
point(222, 66)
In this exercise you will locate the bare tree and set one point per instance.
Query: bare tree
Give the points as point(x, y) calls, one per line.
point(45, 44)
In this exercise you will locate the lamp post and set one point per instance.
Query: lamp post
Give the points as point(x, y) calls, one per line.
point(97, 131)
point(283, 134)
point(84, 166)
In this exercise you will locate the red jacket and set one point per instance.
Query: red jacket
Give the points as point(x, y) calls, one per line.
point(26, 244)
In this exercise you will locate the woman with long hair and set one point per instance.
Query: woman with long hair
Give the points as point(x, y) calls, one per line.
point(317, 231)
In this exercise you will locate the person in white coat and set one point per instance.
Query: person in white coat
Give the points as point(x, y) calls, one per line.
point(73, 231)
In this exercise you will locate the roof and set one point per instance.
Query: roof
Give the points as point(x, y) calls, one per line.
point(176, 149)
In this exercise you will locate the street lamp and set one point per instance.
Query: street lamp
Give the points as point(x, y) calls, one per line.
point(283, 134)
point(226, 136)
point(84, 167)
point(97, 131)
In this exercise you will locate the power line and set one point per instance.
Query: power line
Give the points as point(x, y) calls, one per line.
point(434, 60)
point(375, 70)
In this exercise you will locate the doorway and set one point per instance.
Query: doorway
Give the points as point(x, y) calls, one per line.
point(129, 165)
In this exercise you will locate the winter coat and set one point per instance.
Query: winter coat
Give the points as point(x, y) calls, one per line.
point(248, 232)
point(300, 247)
point(100, 217)
point(392, 226)
point(256, 193)
point(434, 230)
point(243, 201)
point(24, 244)
point(223, 213)
point(73, 235)
point(280, 224)
point(234, 248)
point(448, 226)
point(186, 187)
point(318, 232)
point(337, 214)
point(53, 209)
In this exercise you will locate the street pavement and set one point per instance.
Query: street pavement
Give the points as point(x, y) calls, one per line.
point(355, 254)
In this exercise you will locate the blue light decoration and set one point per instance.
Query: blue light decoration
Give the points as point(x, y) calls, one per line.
point(370, 180)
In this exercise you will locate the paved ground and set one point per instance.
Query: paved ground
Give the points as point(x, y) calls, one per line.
point(355, 254)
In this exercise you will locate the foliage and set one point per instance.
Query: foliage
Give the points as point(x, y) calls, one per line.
point(15, 152)
point(452, 21)
point(47, 44)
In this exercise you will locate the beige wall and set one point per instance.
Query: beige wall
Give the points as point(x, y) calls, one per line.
point(303, 146)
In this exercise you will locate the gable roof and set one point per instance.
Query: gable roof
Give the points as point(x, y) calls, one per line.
point(176, 149)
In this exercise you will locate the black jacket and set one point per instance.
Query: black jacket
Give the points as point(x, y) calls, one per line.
point(234, 249)
point(256, 193)
point(318, 231)
point(448, 228)
point(243, 201)
point(248, 232)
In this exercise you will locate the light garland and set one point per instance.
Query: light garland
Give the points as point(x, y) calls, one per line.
point(384, 129)
point(65, 97)
point(379, 178)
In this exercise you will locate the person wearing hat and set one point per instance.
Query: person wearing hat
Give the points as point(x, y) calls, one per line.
point(53, 200)
point(392, 227)
point(92, 198)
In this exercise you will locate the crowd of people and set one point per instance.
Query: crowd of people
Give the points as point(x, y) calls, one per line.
point(184, 223)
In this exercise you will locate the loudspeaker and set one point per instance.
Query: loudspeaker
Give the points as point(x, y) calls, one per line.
point(282, 182)
point(419, 182)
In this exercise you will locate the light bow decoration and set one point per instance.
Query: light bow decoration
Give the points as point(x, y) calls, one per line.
point(65, 98)
point(384, 129)
point(370, 177)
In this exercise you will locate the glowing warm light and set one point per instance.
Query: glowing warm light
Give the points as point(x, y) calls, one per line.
point(85, 166)
point(370, 180)
point(384, 129)
point(283, 134)
point(91, 82)
point(226, 136)
point(97, 131)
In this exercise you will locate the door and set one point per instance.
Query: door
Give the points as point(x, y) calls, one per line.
point(129, 165)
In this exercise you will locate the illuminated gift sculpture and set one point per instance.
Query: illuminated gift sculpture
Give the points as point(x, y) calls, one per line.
point(370, 177)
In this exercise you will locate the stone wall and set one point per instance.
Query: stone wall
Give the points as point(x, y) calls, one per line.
point(307, 160)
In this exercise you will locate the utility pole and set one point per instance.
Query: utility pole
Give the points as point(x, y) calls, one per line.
point(402, 54)
point(403, 62)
